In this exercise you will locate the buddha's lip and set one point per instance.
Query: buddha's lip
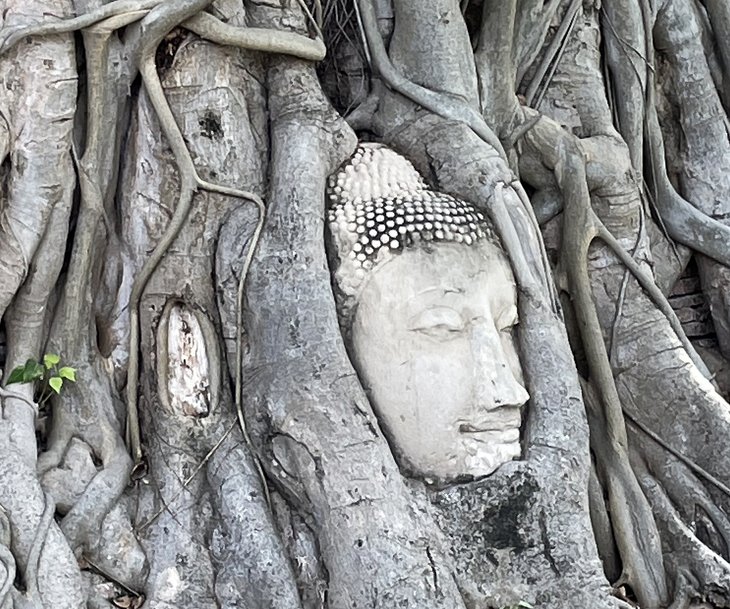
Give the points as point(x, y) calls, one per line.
point(467, 428)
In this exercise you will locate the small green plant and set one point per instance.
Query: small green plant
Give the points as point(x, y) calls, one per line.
point(50, 373)
point(520, 605)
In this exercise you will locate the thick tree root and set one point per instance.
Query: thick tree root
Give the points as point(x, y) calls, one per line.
point(159, 21)
point(552, 56)
point(637, 536)
point(440, 104)
point(120, 13)
point(190, 182)
point(7, 559)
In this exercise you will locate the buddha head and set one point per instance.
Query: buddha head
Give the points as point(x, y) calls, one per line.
point(428, 306)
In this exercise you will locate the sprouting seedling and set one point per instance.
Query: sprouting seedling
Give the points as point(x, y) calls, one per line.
point(50, 373)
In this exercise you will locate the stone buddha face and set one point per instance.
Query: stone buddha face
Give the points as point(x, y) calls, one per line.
point(432, 340)
point(431, 319)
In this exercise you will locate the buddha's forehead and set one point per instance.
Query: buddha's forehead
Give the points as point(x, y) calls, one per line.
point(449, 273)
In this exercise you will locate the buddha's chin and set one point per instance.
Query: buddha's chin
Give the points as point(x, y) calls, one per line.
point(474, 459)
point(489, 458)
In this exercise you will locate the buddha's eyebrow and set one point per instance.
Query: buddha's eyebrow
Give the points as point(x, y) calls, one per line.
point(438, 288)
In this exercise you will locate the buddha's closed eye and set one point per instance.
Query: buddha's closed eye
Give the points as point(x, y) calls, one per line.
point(441, 323)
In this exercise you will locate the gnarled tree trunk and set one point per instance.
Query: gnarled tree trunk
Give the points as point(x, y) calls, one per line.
point(162, 230)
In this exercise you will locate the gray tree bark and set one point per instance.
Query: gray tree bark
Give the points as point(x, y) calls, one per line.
point(163, 171)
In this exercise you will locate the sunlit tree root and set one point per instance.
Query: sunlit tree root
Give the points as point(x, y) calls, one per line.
point(119, 13)
point(37, 204)
point(87, 415)
point(193, 439)
point(163, 23)
point(443, 105)
point(38, 139)
point(704, 177)
point(41, 553)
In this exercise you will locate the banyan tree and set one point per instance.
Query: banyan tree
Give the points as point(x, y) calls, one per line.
point(364, 303)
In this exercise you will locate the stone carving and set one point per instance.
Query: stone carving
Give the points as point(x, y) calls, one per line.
point(428, 304)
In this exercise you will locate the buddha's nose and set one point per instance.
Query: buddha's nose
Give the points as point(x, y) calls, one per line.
point(495, 383)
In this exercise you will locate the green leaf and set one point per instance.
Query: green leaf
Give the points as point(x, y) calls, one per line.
point(50, 360)
point(525, 605)
point(67, 373)
point(32, 371)
point(56, 382)
point(16, 376)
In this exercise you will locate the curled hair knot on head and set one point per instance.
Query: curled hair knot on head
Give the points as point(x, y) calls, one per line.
point(377, 206)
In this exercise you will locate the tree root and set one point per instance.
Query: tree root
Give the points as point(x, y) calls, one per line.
point(703, 473)
point(256, 39)
point(684, 222)
point(697, 570)
point(533, 26)
point(5, 394)
point(535, 287)
point(119, 13)
point(158, 21)
point(625, 45)
point(186, 482)
point(552, 56)
point(10, 37)
point(39, 188)
point(719, 14)
point(497, 74)
point(238, 394)
point(7, 560)
point(682, 592)
point(519, 132)
point(602, 529)
point(622, 291)
point(443, 105)
point(636, 532)
point(34, 556)
point(523, 273)
point(656, 295)
point(544, 264)
point(613, 456)
point(684, 482)
point(190, 182)
point(81, 525)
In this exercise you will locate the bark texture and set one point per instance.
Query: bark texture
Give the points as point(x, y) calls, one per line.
point(162, 218)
